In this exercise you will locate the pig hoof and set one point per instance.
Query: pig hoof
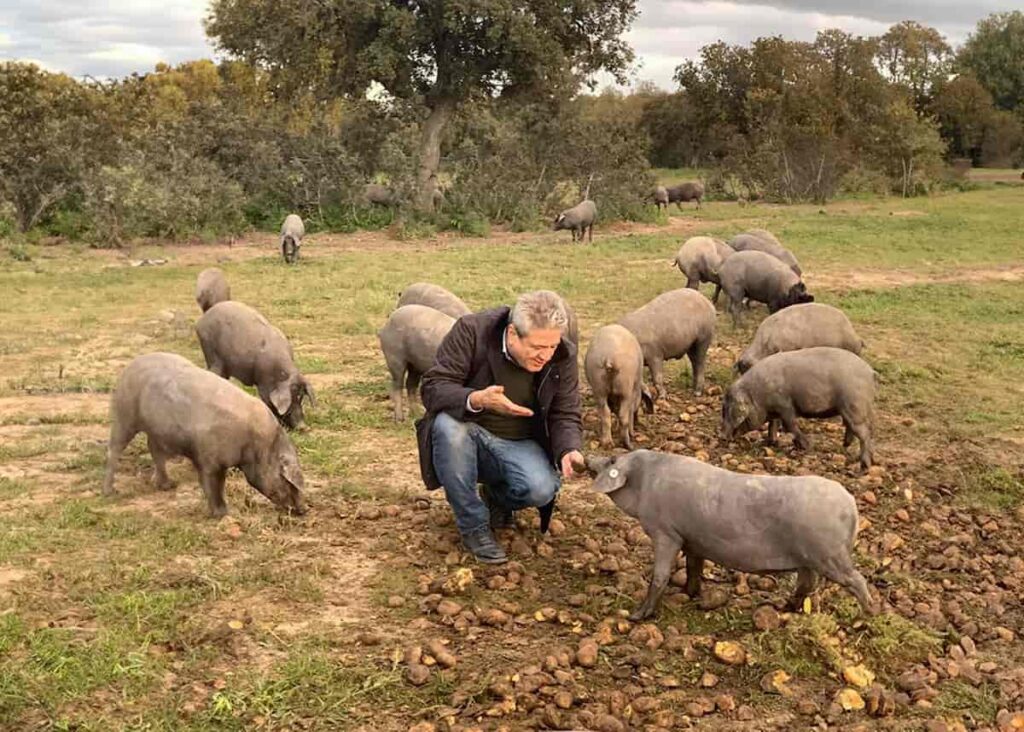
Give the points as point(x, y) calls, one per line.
point(640, 614)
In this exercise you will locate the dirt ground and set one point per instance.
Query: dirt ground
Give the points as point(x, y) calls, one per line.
point(429, 640)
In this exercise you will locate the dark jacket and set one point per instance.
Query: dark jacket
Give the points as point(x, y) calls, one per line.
point(464, 364)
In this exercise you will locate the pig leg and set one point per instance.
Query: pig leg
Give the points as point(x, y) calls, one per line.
point(657, 368)
point(806, 579)
point(626, 411)
point(773, 432)
point(735, 305)
point(397, 370)
point(848, 435)
point(665, 549)
point(212, 483)
point(412, 387)
point(718, 291)
point(788, 418)
point(693, 282)
point(698, 355)
point(694, 573)
point(862, 430)
point(120, 436)
point(604, 416)
point(160, 477)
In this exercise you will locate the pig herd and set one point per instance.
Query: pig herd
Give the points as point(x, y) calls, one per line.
point(803, 361)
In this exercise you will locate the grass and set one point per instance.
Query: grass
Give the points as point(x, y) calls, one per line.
point(146, 583)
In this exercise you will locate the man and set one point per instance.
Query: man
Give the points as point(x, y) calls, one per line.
point(503, 409)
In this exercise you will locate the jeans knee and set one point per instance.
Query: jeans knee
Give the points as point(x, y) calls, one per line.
point(451, 433)
point(542, 488)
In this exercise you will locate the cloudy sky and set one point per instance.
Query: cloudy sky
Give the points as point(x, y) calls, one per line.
point(117, 37)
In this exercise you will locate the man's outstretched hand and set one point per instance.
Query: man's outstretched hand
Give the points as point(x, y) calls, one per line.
point(573, 464)
point(493, 399)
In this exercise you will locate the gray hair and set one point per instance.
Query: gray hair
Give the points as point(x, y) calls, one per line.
point(542, 310)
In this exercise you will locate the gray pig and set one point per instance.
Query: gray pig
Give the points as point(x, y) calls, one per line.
point(660, 197)
point(700, 258)
point(211, 288)
point(674, 324)
point(749, 241)
point(434, 296)
point(237, 341)
point(812, 382)
point(761, 277)
point(579, 219)
point(190, 412)
point(409, 341)
point(689, 191)
point(800, 326)
point(748, 523)
point(614, 366)
point(292, 231)
point(375, 194)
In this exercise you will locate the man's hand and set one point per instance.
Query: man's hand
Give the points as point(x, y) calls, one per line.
point(493, 399)
point(572, 462)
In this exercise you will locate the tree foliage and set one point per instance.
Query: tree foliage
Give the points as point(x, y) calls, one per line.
point(994, 54)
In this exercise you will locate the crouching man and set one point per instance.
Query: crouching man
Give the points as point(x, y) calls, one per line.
point(502, 409)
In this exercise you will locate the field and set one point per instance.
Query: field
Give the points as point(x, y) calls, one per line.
point(136, 612)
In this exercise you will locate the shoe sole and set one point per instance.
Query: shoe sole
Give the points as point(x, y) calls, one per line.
point(483, 560)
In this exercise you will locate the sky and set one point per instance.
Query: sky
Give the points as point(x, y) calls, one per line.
point(112, 38)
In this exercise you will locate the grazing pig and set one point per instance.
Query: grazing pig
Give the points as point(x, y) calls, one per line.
point(812, 382)
point(674, 324)
point(689, 191)
point(749, 241)
point(434, 296)
point(409, 341)
point(748, 523)
point(211, 288)
point(194, 413)
point(800, 326)
point(375, 194)
point(614, 366)
point(660, 197)
point(700, 258)
point(761, 277)
point(238, 341)
point(579, 219)
point(292, 231)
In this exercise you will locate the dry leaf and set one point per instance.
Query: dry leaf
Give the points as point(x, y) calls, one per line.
point(850, 700)
point(858, 676)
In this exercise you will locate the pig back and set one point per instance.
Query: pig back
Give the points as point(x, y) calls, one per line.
point(243, 339)
point(671, 323)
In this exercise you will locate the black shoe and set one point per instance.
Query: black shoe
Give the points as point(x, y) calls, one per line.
point(545, 515)
point(481, 544)
point(502, 517)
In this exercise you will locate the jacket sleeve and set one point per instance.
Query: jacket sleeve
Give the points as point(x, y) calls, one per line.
point(565, 419)
point(444, 385)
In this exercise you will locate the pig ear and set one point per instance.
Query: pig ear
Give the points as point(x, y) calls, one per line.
point(281, 397)
point(612, 477)
point(291, 472)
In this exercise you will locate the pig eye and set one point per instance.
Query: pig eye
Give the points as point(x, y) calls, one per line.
point(613, 473)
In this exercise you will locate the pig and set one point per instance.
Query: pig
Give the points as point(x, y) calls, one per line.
point(292, 231)
point(700, 258)
point(579, 219)
point(761, 277)
point(238, 341)
point(749, 241)
point(409, 341)
point(811, 382)
point(660, 197)
point(375, 194)
point(187, 411)
point(433, 296)
point(674, 324)
point(211, 288)
point(691, 190)
point(748, 523)
point(614, 366)
point(800, 326)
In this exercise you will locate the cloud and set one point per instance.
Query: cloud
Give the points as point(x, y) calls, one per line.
point(104, 39)
point(933, 12)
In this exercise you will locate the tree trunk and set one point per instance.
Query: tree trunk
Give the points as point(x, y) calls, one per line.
point(430, 153)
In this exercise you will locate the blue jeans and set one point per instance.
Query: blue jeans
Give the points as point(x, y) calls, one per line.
point(517, 472)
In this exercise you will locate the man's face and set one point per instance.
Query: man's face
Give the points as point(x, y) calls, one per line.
point(535, 349)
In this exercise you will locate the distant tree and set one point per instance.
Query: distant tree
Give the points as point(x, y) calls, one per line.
point(994, 53)
point(915, 57)
point(963, 108)
point(437, 52)
point(52, 128)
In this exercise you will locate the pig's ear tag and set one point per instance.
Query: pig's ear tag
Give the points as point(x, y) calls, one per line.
point(613, 473)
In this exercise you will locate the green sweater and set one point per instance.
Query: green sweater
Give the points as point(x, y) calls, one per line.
point(518, 383)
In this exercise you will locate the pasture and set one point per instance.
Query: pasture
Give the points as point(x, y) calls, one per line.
point(136, 612)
